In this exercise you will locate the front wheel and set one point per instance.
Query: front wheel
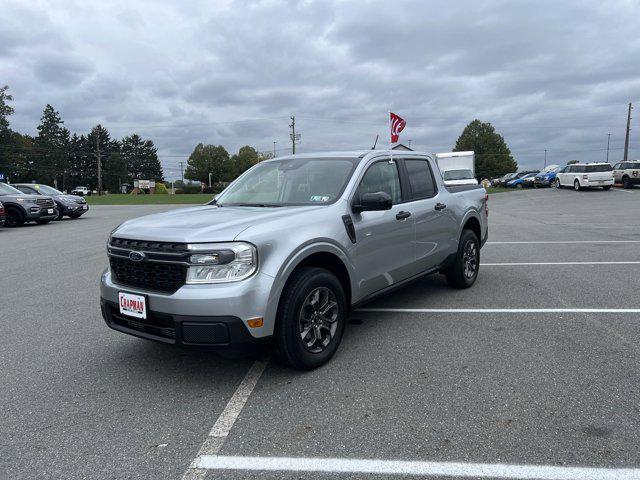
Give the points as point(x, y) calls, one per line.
point(14, 218)
point(311, 318)
point(464, 271)
point(576, 185)
point(607, 187)
point(626, 183)
point(558, 184)
point(42, 222)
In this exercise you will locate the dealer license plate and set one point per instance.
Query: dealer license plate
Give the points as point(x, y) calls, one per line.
point(50, 211)
point(85, 207)
point(132, 305)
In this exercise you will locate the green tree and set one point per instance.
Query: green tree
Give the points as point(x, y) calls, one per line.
point(207, 159)
point(141, 157)
point(493, 157)
point(52, 145)
point(5, 110)
point(246, 158)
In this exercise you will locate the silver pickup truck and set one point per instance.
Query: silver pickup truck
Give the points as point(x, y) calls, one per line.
point(286, 250)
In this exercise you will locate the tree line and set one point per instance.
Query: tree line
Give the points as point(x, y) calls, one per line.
point(57, 157)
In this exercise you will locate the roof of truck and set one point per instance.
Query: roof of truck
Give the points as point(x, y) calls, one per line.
point(348, 154)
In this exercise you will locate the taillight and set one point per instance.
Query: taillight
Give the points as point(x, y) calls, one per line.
point(486, 204)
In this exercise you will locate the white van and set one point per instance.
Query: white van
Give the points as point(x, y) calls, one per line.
point(583, 175)
point(457, 168)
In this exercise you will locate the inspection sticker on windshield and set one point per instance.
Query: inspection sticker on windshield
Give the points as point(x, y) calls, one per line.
point(132, 305)
point(320, 198)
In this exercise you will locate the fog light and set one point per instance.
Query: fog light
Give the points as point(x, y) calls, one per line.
point(255, 322)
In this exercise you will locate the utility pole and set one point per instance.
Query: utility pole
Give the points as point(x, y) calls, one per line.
point(545, 159)
point(274, 148)
point(608, 139)
point(626, 138)
point(182, 172)
point(294, 136)
point(209, 179)
point(99, 163)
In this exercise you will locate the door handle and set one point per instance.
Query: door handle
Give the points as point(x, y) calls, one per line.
point(440, 206)
point(402, 215)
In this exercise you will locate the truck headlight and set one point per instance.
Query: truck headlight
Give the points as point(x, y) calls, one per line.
point(221, 262)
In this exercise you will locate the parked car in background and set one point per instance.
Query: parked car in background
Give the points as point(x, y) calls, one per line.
point(81, 191)
point(2, 215)
point(585, 175)
point(72, 206)
point(627, 173)
point(288, 249)
point(546, 177)
point(522, 180)
point(20, 208)
point(503, 180)
point(459, 177)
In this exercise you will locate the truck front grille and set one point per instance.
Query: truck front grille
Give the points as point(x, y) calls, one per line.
point(163, 277)
point(147, 246)
point(45, 202)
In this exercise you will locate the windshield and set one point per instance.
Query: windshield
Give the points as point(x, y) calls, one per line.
point(46, 190)
point(9, 190)
point(290, 182)
point(465, 174)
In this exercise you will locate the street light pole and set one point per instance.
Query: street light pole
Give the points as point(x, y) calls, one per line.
point(209, 179)
point(608, 138)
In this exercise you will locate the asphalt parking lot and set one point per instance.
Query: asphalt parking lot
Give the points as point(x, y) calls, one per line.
point(532, 373)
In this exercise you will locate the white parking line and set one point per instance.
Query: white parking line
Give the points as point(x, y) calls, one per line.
point(225, 421)
point(424, 469)
point(501, 310)
point(521, 264)
point(562, 242)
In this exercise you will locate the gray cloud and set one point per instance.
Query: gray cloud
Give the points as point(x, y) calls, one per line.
point(553, 75)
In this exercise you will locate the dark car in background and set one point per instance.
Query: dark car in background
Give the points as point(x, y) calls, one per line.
point(20, 208)
point(72, 206)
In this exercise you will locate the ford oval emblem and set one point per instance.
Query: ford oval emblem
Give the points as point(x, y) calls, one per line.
point(136, 256)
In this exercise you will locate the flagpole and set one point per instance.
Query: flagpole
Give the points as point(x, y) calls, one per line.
point(390, 132)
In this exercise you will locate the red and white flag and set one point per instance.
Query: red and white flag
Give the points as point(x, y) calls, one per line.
point(397, 125)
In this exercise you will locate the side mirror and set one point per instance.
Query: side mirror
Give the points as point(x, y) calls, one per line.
point(373, 202)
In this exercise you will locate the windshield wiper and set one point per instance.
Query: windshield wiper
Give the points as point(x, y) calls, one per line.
point(263, 205)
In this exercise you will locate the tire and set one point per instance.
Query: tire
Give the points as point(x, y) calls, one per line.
point(75, 215)
point(14, 217)
point(307, 290)
point(457, 275)
point(60, 215)
point(625, 182)
point(42, 222)
point(558, 184)
point(576, 185)
point(608, 187)
point(519, 186)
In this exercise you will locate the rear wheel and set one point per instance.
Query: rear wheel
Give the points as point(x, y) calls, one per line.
point(14, 217)
point(576, 185)
point(558, 184)
point(607, 187)
point(464, 272)
point(311, 318)
point(519, 185)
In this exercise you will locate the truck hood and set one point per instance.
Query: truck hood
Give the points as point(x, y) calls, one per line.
point(206, 223)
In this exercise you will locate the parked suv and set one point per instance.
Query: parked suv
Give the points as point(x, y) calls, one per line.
point(21, 208)
point(627, 173)
point(288, 248)
point(81, 191)
point(581, 175)
point(72, 206)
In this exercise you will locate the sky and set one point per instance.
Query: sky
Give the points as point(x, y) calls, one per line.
point(554, 75)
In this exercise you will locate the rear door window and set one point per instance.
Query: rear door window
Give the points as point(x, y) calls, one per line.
point(421, 180)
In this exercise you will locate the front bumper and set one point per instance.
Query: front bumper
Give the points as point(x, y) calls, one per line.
point(37, 213)
point(213, 315)
point(542, 182)
point(68, 209)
